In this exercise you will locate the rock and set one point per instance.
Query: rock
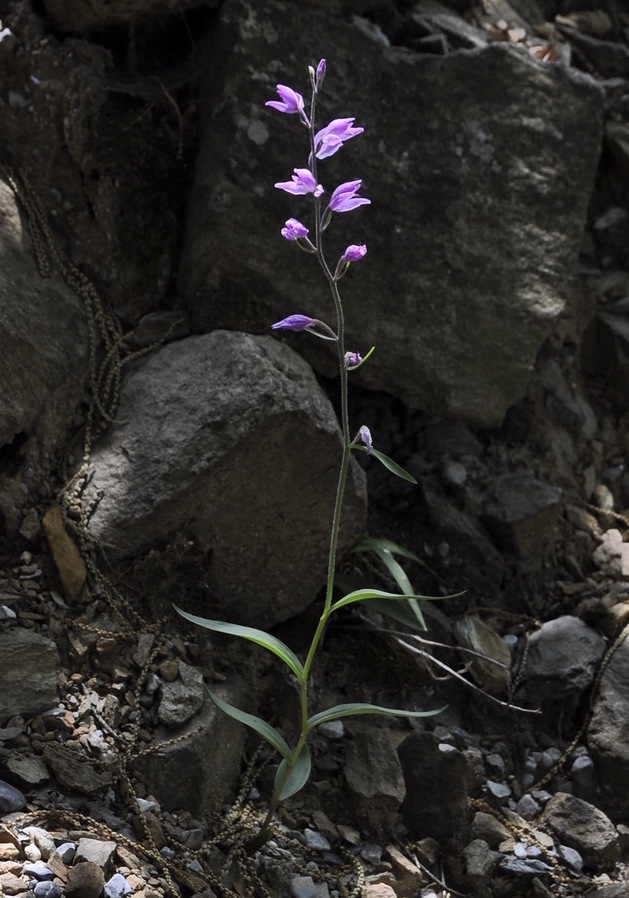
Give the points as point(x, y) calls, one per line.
point(228, 444)
point(520, 512)
point(612, 555)
point(43, 352)
point(47, 890)
point(581, 826)
point(305, 887)
point(70, 566)
point(74, 772)
point(482, 184)
point(11, 799)
point(479, 863)
point(439, 813)
point(98, 852)
point(68, 16)
point(28, 673)
point(27, 769)
point(562, 659)
point(117, 886)
point(607, 734)
point(12, 884)
point(182, 698)
point(408, 876)
point(489, 829)
point(85, 880)
point(493, 670)
point(178, 771)
point(38, 870)
point(378, 890)
point(374, 777)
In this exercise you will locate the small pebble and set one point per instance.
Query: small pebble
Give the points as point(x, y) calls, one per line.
point(332, 729)
point(303, 887)
point(116, 887)
point(527, 807)
point(519, 849)
point(37, 870)
point(66, 852)
point(11, 799)
point(315, 840)
point(571, 857)
point(47, 890)
point(498, 790)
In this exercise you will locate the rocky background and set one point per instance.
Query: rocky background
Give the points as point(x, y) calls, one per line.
point(158, 445)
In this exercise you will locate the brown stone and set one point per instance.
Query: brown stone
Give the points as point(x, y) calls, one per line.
point(67, 558)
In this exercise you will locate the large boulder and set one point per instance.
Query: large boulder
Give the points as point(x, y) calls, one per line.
point(226, 442)
point(43, 358)
point(478, 164)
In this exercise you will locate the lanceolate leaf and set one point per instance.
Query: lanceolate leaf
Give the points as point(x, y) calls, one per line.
point(364, 595)
point(261, 727)
point(298, 776)
point(253, 635)
point(387, 462)
point(351, 710)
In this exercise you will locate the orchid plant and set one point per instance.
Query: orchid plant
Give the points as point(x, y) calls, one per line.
point(294, 768)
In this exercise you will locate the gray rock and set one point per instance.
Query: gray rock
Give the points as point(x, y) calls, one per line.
point(493, 670)
point(581, 826)
point(28, 673)
point(179, 773)
point(374, 777)
point(85, 880)
point(37, 870)
point(73, 17)
point(27, 769)
point(47, 890)
point(96, 851)
point(43, 349)
point(228, 440)
point(182, 698)
point(11, 799)
point(117, 886)
point(477, 210)
point(608, 733)
point(520, 512)
point(73, 772)
point(426, 811)
point(479, 863)
point(612, 555)
point(562, 659)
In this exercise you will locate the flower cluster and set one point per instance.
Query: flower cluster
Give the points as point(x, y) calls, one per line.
point(324, 143)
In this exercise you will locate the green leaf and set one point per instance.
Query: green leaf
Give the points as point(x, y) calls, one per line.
point(261, 727)
point(387, 462)
point(355, 708)
point(289, 783)
point(271, 643)
point(401, 613)
point(374, 544)
point(364, 595)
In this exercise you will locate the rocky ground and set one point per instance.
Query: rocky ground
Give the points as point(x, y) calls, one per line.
point(119, 777)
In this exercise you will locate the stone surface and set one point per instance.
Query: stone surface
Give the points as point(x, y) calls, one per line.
point(374, 778)
point(11, 799)
point(608, 733)
point(562, 659)
point(85, 880)
point(612, 555)
point(228, 442)
point(581, 826)
point(493, 670)
point(70, 566)
point(520, 513)
point(28, 673)
point(182, 698)
point(476, 214)
point(179, 772)
point(439, 813)
point(96, 851)
point(74, 773)
point(80, 17)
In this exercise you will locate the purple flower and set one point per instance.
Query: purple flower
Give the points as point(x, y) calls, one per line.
point(344, 198)
point(290, 102)
point(320, 72)
point(301, 182)
point(293, 323)
point(294, 230)
point(352, 359)
point(354, 253)
point(365, 435)
point(331, 138)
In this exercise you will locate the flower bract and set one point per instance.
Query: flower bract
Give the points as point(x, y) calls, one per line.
point(365, 435)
